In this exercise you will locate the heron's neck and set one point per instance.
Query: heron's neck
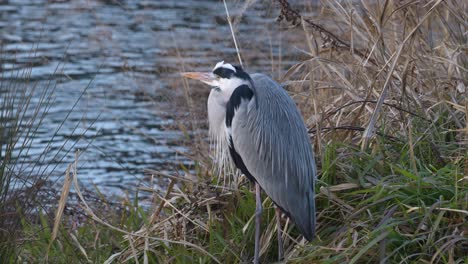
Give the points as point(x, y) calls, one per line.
point(218, 136)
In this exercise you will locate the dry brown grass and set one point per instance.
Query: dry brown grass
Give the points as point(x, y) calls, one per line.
point(390, 77)
point(382, 87)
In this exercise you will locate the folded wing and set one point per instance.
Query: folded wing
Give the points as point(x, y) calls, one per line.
point(269, 135)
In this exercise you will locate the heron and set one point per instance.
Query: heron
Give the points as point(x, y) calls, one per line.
point(257, 127)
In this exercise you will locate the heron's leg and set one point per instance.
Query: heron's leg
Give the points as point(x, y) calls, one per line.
point(258, 216)
point(280, 240)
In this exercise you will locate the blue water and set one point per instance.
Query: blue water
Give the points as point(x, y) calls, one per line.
point(123, 58)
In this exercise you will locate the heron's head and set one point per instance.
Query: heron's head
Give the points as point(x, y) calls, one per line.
point(224, 77)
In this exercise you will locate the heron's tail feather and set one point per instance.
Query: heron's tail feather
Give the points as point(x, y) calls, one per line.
point(306, 222)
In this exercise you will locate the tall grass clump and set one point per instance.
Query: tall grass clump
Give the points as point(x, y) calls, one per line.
point(19, 121)
point(387, 102)
point(26, 189)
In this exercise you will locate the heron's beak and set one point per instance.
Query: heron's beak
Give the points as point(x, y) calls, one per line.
point(206, 77)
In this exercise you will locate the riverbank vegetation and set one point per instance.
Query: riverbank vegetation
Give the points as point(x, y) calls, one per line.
point(382, 88)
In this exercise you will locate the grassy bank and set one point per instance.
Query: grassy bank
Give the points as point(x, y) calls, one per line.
point(382, 88)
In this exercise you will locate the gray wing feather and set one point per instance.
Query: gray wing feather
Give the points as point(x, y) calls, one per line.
point(269, 134)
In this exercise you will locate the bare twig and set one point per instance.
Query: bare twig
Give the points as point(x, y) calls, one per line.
point(232, 32)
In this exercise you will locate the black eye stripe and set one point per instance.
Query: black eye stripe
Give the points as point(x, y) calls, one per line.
point(227, 73)
point(223, 72)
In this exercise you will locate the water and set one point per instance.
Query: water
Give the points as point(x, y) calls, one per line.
point(130, 53)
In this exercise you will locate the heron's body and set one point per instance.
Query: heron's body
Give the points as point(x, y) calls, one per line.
point(268, 142)
point(258, 127)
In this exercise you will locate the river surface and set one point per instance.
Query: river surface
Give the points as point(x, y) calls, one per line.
point(119, 61)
